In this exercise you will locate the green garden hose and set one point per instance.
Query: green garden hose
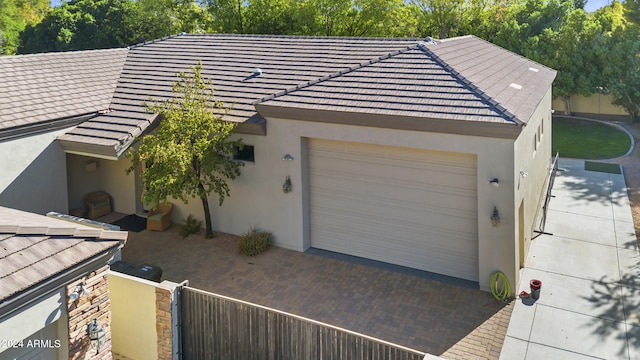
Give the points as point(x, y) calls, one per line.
point(500, 287)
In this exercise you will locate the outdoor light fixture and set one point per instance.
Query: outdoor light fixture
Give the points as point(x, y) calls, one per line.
point(80, 290)
point(523, 173)
point(286, 187)
point(96, 334)
point(494, 182)
point(287, 157)
point(495, 217)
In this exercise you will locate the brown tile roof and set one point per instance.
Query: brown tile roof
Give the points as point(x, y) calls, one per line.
point(515, 82)
point(43, 88)
point(34, 248)
point(230, 61)
point(456, 79)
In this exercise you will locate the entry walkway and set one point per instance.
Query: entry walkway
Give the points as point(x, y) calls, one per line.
point(589, 268)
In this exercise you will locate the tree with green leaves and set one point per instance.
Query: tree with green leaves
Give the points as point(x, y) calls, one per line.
point(190, 154)
point(623, 69)
point(15, 16)
point(227, 16)
point(99, 24)
point(633, 10)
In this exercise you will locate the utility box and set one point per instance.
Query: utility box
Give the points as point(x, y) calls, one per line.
point(147, 272)
point(122, 267)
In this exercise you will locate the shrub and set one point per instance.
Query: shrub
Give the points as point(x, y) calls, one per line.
point(254, 242)
point(189, 226)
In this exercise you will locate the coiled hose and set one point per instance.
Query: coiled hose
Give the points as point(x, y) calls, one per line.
point(500, 288)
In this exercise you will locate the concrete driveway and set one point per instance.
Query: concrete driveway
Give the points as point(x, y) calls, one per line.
point(409, 308)
point(589, 266)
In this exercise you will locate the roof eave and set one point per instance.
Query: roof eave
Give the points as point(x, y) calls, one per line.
point(16, 302)
point(44, 127)
point(412, 123)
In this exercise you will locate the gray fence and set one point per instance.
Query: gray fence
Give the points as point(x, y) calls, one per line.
point(218, 327)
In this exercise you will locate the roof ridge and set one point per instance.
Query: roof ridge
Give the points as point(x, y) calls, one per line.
point(155, 40)
point(336, 74)
point(508, 115)
point(276, 36)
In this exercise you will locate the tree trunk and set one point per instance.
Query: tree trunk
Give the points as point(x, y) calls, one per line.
point(567, 104)
point(240, 21)
point(207, 213)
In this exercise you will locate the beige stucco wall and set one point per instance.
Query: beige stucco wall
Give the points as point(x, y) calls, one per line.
point(42, 313)
point(594, 104)
point(108, 176)
point(133, 317)
point(533, 155)
point(33, 174)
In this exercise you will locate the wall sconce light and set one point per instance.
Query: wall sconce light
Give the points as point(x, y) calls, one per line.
point(523, 173)
point(90, 166)
point(287, 157)
point(494, 182)
point(80, 290)
point(495, 217)
point(96, 334)
point(286, 187)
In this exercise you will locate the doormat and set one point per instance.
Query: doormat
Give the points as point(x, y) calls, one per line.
point(133, 223)
point(602, 167)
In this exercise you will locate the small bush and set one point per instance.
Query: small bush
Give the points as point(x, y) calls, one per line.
point(189, 226)
point(254, 242)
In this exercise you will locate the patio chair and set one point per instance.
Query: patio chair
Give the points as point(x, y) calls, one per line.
point(98, 204)
point(159, 219)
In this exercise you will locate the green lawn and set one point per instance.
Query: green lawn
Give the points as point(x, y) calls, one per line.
point(583, 139)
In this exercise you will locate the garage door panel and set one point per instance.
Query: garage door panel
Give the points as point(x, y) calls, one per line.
point(380, 198)
point(464, 223)
point(410, 233)
point(404, 206)
point(379, 167)
point(395, 190)
point(386, 174)
point(436, 258)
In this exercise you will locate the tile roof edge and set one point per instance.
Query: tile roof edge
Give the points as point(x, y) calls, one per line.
point(336, 74)
point(64, 52)
point(497, 107)
point(66, 225)
point(131, 47)
point(79, 233)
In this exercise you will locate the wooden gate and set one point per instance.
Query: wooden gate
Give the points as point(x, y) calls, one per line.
point(218, 327)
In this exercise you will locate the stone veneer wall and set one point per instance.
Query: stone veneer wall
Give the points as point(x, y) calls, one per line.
point(164, 323)
point(86, 308)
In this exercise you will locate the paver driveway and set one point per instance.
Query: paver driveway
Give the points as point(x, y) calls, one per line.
point(424, 314)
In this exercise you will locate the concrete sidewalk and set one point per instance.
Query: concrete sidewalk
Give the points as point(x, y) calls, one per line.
point(589, 305)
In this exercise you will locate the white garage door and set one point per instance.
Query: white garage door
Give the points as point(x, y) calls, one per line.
point(403, 206)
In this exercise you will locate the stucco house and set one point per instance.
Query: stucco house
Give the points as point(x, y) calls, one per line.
point(431, 154)
point(53, 284)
